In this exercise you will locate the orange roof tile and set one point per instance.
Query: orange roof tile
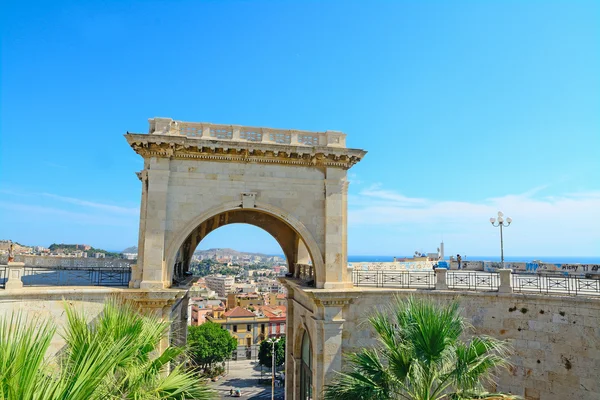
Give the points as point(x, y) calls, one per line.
point(238, 312)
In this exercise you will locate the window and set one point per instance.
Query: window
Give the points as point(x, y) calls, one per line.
point(306, 369)
point(235, 328)
point(249, 328)
point(262, 328)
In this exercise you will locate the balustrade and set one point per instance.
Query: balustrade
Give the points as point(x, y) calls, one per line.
point(208, 131)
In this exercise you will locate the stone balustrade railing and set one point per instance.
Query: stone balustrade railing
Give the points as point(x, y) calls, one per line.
point(305, 272)
point(238, 133)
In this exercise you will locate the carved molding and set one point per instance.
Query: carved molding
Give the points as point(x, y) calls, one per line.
point(212, 150)
point(335, 302)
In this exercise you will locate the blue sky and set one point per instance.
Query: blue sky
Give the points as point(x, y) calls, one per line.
point(465, 107)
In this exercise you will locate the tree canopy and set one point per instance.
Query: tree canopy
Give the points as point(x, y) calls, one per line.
point(110, 358)
point(420, 356)
point(209, 343)
point(265, 356)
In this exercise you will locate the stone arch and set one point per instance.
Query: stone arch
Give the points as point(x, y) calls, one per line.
point(303, 234)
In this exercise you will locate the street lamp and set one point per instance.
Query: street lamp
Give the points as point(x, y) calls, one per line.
point(273, 341)
point(500, 222)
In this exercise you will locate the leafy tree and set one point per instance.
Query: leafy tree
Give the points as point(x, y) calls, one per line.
point(420, 356)
point(265, 356)
point(110, 358)
point(209, 343)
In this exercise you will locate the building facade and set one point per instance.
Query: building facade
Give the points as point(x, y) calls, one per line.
point(220, 284)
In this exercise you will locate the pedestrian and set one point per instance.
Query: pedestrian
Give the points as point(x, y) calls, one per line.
point(459, 258)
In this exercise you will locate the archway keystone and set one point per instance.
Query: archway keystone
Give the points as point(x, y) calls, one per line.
point(199, 176)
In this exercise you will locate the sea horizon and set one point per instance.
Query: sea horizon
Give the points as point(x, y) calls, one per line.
point(547, 259)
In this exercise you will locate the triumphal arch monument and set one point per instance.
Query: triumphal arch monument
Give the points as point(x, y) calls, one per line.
point(200, 176)
point(293, 184)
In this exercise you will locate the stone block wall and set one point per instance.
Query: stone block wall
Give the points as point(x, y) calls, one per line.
point(49, 304)
point(556, 340)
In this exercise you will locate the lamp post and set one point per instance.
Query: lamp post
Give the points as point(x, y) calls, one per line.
point(500, 222)
point(273, 341)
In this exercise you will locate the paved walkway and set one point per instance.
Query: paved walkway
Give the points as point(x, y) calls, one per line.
point(244, 375)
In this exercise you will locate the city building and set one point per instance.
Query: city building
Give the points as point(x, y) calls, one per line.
point(277, 299)
point(276, 316)
point(248, 328)
point(244, 300)
point(220, 283)
point(130, 256)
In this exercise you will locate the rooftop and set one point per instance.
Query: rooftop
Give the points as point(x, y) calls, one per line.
point(238, 312)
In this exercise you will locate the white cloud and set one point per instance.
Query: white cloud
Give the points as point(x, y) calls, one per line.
point(36, 212)
point(92, 204)
point(556, 225)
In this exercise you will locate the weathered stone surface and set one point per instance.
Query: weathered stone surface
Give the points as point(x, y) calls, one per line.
point(49, 304)
point(555, 354)
point(198, 177)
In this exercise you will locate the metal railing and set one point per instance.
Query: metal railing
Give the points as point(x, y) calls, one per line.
point(3, 275)
point(478, 281)
point(485, 281)
point(395, 279)
point(73, 276)
point(555, 284)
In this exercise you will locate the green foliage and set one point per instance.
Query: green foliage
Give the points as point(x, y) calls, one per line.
point(110, 358)
point(209, 343)
point(90, 252)
point(420, 356)
point(265, 356)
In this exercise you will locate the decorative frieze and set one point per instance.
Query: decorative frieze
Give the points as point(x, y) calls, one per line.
point(247, 152)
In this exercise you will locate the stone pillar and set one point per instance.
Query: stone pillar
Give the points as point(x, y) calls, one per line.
point(327, 345)
point(15, 273)
point(505, 281)
point(440, 281)
point(152, 260)
point(290, 362)
point(336, 227)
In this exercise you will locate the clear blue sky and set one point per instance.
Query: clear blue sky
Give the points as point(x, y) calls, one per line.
point(465, 107)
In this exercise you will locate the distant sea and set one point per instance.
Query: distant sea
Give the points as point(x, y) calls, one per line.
point(548, 259)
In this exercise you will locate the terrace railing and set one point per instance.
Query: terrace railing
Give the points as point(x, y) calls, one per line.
point(555, 284)
point(395, 279)
point(76, 276)
point(3, 275)
point(485, 281)
point(503, 281)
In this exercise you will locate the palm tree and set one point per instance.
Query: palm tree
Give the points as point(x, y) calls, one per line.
point(420, 356)
point(112, 358)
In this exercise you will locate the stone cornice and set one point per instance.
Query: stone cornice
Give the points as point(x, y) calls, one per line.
point(231, 151)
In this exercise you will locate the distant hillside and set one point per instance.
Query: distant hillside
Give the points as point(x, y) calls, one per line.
point(132, 249)
point(18, 247)
point(228, 253)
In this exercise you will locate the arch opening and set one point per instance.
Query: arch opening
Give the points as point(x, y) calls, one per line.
point(296, 248)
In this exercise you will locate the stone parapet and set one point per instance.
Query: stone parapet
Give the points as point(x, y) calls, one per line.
point(248, 134)
point(556, 339)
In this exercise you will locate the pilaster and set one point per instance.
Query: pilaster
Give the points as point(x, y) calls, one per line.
point(336, 228)
point(152, 261)
point(327, 349)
